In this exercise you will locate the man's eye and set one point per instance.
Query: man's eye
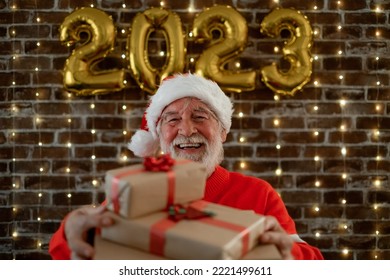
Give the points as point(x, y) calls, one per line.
point(172, 120)
point(199, 118)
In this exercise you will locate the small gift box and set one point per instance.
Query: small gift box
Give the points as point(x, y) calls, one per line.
point(156, 184)
point(228, 234)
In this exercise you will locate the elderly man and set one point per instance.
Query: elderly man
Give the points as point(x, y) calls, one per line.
point(189, 117)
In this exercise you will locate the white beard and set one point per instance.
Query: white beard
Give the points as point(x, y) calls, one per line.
point(211, 157)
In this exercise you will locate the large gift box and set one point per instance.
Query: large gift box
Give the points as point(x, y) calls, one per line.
point(107, 250)
point(220, 233)
point(141, 189)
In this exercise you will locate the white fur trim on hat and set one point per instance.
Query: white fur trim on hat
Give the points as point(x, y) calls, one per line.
point(172, 89)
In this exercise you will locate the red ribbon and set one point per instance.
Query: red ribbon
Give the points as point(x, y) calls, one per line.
point(158, 230)
point(162, 163)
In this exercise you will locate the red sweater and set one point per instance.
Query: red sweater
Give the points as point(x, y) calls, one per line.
point(234, 190)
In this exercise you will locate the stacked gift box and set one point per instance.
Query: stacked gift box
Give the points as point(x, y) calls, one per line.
point(158, 211)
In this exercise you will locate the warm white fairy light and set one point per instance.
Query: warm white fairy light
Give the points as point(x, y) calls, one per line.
point(242, 165)
point(342, 127)
point(191, 9)
point(69, 195)
point(276, 97)
point(316, 209)
point(124, 107)
point(316, 57)
point(316, 31)
point(92, 106)
point(124, 6)
point(67, 170)
point(378, 33)
point(343, 201)
point(345, 251)
point(38, 44)
point(93, 131)
point(40, 194)
point(317, 183)
point(69, 144)
point(38, 219)
point(316, 158)
point(123, 31)
point(278, 172)
point(341, 77)
point(123, 56)
point(41, 169)
point(378, 158)
point(192, 60)
point(317, 234)
point(242, 139)
point(344, 176)
point(240, 114)
point(345, 226)
point(37, 94)
point(95, 182)
point(238, 64)
point(190, 34)
point(339, 27)
point(276, 122)
point(340, 52)
point(276, 49)
point(69, 120)
point(377, 183)
point(124, 157)
point(162, 53)
point(124, 132)
point(315, 108)
point(316, 133)
point(92, 5)
point(162, 4)
point(315, 7)
point(344, 151)
point(15, 234)
point(316, 83)
point(278, 146)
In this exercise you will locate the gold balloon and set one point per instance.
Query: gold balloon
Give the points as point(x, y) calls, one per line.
point(147, 76)
point(296, 51)
point(233, 32)
point(79, 76)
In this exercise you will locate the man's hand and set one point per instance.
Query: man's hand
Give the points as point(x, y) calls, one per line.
point(76, 226)
point(275, 234)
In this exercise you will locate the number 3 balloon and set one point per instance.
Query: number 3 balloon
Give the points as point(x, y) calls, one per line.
point(296, 51)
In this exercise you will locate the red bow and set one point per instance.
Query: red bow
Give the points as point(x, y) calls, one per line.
point(161, 163)
point(179, 212)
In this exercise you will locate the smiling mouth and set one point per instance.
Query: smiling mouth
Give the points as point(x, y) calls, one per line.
point(185, 146)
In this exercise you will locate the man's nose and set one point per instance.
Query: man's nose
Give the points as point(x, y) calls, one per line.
point(187, 128)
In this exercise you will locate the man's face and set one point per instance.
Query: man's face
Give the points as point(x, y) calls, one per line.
point(189, 129)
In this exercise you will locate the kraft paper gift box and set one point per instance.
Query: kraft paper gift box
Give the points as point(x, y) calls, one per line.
point(107, 250)
point(229, 234)
point(133, 191)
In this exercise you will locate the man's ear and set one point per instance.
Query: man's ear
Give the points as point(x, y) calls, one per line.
point(223, 135)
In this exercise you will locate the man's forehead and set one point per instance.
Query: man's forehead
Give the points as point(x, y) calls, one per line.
point(183, 104)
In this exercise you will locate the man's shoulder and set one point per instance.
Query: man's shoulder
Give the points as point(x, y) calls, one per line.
point(235, 176)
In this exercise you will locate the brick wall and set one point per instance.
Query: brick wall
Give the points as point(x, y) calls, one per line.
point(43, 177)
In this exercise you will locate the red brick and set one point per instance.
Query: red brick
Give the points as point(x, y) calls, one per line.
point(369, 18)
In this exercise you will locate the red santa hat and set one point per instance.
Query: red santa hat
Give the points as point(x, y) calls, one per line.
point(145, 141)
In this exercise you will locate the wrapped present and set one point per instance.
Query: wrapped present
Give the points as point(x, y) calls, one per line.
point(156, 184)
point(220, 233)
point(107, 250)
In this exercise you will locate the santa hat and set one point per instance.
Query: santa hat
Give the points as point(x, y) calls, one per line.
point(145, 141)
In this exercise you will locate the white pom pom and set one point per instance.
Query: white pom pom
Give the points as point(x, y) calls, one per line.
point(143, 144)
